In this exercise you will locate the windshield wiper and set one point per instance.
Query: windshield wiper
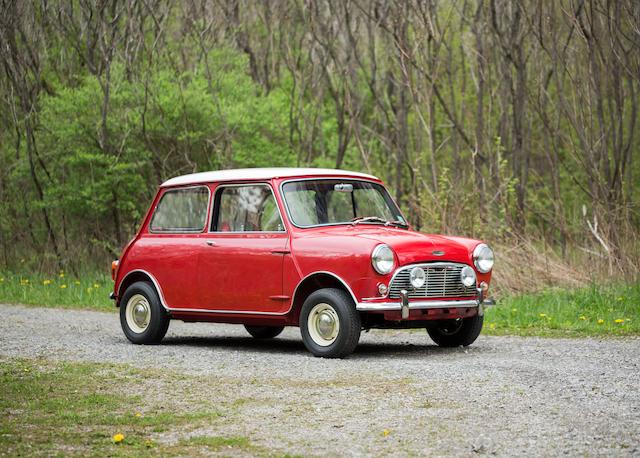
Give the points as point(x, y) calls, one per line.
point(377, 219)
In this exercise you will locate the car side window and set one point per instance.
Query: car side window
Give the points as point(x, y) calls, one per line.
point(181, 210)
point(250, 208)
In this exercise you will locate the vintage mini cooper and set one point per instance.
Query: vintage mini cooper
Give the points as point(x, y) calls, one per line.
point(326, 250)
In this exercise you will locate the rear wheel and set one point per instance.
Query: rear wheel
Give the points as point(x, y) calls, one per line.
point(264, 332)
point(329, 323)
point(453, 333)
point(142, 316)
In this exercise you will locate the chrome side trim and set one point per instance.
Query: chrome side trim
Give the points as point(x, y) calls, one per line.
point(153, 280)
point(227, 312)
point(252, 312)
point(235, 312)
point(344, 283)
point(391, 306)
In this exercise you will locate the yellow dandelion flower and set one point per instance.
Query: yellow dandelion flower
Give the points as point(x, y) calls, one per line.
point(61, 275)
point(600, 321)
point(492, 326)
point(95, 285)
point(543, 315)
point(619, 320)
point(63, 286)
point(46, 282)
point(77, 282)
point(583, 318)
point(385, 432)
point(138, 414)
point(117, 438)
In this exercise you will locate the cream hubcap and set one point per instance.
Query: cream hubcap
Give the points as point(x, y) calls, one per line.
point(138, 313)
point(323, 324)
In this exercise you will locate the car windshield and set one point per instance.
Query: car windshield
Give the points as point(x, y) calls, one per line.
point(334, 201)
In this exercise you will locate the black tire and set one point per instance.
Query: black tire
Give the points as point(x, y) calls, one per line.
point(264, 332)
point(158, 322)
point(453, 333)
point(342, 309)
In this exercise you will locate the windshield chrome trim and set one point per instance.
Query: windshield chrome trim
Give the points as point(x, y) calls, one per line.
point(345, 223)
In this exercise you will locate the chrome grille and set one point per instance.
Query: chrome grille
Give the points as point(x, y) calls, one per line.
point(442, 280)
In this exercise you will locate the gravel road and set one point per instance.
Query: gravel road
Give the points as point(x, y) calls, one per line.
point(398, 394)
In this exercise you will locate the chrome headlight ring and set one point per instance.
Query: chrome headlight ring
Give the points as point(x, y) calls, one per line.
point(483, 258)
point(383, 259)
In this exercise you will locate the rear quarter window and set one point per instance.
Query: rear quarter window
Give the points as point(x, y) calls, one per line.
point(181, 210)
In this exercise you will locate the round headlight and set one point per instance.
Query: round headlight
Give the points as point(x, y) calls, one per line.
point(483, 258)
point(382, 259)
point(417, 277)
point(468, 276)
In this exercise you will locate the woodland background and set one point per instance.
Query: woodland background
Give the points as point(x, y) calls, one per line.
point(513, 121)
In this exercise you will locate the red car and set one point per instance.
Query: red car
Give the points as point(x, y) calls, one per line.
point(326, 250)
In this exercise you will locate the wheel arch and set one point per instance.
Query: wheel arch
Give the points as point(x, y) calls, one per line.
point(136, 276)
point(313, 282)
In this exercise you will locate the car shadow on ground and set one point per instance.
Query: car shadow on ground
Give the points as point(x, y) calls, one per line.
point(293, 346)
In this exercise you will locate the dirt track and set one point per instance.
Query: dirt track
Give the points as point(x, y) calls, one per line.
point(398, 394)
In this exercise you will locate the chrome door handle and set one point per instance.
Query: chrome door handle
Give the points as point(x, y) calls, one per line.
point(211, 243)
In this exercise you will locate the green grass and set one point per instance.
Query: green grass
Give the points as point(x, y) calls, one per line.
point(590, 311)
point(52, 408)
point(59, 290)
point(593, 311)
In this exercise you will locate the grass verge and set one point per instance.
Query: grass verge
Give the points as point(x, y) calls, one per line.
point(593, 311)
point(60, 290)
point(60, 408)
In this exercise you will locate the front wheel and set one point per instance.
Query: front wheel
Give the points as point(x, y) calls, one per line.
point(142, 317)
point(454, 333)
point(329, 323)
point(264, 332)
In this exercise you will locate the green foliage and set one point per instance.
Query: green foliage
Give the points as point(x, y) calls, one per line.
point(119, 104)
point(102, 176)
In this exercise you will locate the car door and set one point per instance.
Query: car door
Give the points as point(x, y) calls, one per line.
point(168, 250)
point(240, 263)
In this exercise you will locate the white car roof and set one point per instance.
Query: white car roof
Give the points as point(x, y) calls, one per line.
point(260, 174)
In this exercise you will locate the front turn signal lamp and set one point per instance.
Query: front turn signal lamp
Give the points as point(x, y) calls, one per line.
point(114, 269)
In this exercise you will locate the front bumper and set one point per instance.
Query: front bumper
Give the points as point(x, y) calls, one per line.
point(404, 305)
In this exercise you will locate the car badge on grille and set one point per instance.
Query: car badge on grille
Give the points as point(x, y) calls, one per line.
point(437, 253)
